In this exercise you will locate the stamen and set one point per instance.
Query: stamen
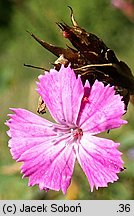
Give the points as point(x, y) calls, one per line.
point(77, 133)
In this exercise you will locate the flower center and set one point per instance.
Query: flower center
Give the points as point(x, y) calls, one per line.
point(77, 133)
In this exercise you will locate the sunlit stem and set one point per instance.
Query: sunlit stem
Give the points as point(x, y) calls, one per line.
point(95, 65)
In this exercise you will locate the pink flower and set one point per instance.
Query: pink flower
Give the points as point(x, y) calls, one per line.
point(126, 6)
point(49, 150)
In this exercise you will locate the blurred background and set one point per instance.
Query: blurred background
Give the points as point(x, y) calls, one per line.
point(113, 21)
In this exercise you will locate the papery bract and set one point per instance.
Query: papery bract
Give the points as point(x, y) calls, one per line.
point(49, 150)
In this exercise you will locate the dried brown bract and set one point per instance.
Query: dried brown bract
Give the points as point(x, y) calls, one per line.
point(92, 59)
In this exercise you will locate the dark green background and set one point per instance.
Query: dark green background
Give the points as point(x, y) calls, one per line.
point(17, 83)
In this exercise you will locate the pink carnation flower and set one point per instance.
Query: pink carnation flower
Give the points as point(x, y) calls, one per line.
point(49, 150)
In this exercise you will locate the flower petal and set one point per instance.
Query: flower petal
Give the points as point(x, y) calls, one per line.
point(100, 160)
point(62, 93)
point(43, 147)
point(50, 167)
point(101, 109)
point(27, 130)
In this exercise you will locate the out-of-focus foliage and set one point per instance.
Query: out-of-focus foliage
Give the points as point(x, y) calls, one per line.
point(17, 83)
